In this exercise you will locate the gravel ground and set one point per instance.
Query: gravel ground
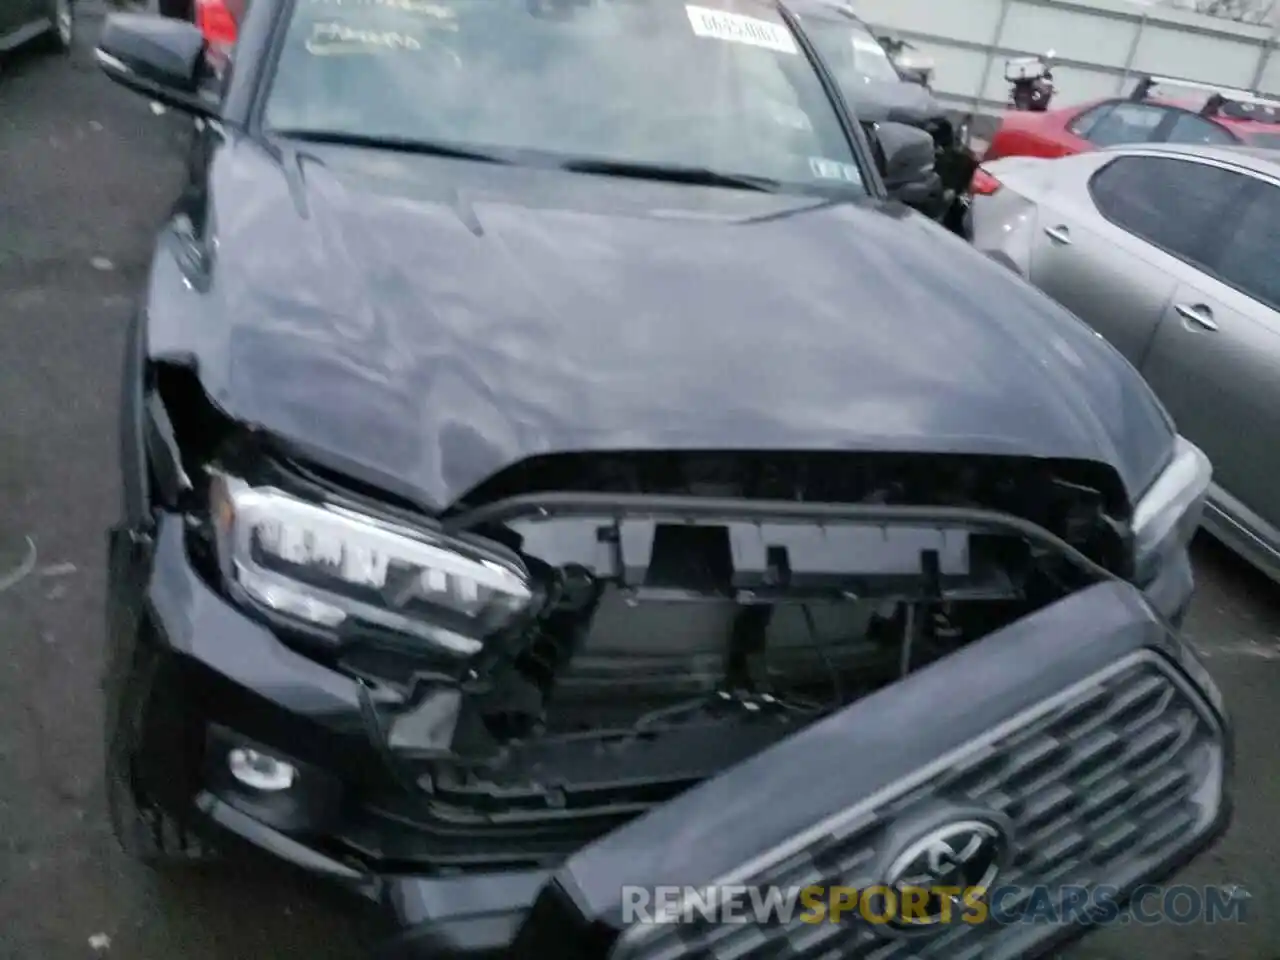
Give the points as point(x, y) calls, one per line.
point(86, 175)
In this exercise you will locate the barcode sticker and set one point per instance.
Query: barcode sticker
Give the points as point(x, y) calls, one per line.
point(736, 28)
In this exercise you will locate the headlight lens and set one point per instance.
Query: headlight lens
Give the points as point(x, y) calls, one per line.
point(1167, 516)
point(329, 567)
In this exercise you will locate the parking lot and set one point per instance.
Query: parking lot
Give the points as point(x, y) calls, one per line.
point(86, 174)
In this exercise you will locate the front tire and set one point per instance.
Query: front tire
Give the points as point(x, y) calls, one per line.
point(145, 831)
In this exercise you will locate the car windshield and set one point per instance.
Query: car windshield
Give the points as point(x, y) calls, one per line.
point(719, 87)
point(850, 51)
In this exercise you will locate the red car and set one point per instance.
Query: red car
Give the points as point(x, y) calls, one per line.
point(218, 19)
point(1228, 116)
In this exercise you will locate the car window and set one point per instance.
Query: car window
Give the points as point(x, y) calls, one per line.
point(724, 86)
point(1188, 128)
point(1176, 204)
point(1085, 122)
point(851, 51)
point(1270, 140)
point(1248, 260)
point(1126, 123)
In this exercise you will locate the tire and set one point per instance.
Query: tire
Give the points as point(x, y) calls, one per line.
point(148, 834)
point(145, 831)
point(61, 39)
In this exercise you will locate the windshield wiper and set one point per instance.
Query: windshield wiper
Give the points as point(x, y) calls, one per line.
point(701, 176)
point(398, 144)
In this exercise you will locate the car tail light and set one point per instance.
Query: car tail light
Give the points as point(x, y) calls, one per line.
point(217, 22)
point(983, 183)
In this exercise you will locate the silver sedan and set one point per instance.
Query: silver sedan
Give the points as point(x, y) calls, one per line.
point(1173, 254)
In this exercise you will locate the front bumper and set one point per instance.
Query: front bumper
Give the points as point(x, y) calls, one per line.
point(219, 680)
point(459, 918)
point(227, 679)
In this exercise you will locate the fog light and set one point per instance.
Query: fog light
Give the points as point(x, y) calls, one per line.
point(261, 771)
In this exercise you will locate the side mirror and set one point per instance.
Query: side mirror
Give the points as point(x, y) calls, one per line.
point(906, 159)
point(160, 57)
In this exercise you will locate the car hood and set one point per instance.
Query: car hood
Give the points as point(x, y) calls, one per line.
point(430, 322)
point(875, 101)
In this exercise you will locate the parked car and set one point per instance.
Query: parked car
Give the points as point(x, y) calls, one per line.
point(876, 91)
point(539, 456)
point(1222, 116)
point(1169, 252)
point(50, 23)
point(218, 20)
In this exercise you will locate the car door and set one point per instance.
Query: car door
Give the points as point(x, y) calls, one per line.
point(1215, 361)
point(1093, 254)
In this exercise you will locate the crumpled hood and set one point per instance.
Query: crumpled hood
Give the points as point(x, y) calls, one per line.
point(434, 321)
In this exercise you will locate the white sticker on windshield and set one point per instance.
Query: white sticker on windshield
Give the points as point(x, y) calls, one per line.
point(736, 28)
point(834, 170)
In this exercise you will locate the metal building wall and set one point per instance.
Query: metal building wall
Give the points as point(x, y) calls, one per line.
point(1099, 44)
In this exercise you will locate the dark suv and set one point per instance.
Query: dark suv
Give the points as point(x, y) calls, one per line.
point(555, 469)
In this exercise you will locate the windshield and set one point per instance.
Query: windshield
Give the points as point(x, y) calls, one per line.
point(722, 87)
point(851, 52)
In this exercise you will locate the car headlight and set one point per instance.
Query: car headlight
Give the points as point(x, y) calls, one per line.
point(1168, 514)
point(327, 567)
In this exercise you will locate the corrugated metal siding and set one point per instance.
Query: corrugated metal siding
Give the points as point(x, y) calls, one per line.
point(1099, 44)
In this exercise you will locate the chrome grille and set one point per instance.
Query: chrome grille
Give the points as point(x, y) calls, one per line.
point(1103, 786)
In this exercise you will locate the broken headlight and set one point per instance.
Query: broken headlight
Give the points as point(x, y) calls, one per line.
point(1169, 513)
point(329, 568)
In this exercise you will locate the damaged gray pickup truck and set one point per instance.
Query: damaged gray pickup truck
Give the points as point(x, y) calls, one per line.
point(513, 530)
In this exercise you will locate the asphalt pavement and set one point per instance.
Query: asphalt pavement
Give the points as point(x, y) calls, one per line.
point(87, 173)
